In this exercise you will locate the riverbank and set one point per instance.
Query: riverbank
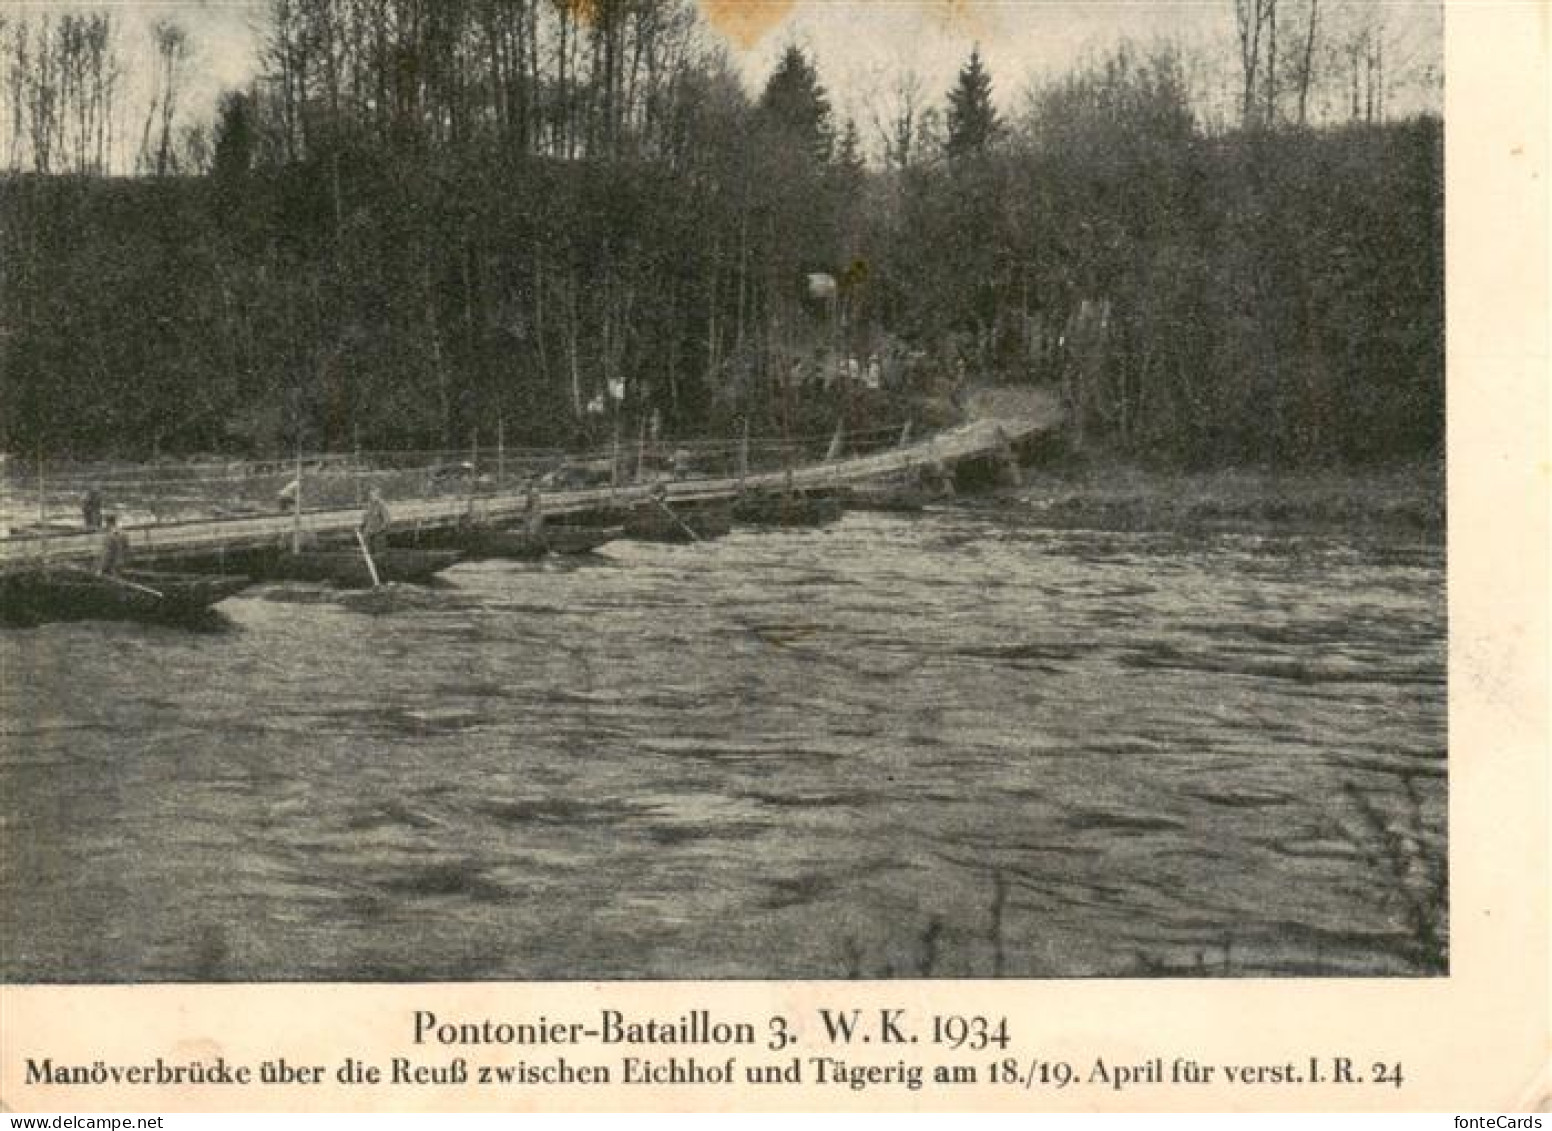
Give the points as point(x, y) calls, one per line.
point(1407, 501)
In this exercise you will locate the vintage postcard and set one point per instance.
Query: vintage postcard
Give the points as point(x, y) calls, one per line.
point(773, 554)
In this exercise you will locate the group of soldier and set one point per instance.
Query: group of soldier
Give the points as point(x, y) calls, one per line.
point(375, 519)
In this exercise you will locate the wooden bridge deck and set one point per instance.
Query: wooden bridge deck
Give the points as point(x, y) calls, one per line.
point(979, 439)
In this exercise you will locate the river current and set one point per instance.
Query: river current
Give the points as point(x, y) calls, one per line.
point(954, 744)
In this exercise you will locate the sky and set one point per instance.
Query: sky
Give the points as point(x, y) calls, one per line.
point(861, 46)
point(224, 32)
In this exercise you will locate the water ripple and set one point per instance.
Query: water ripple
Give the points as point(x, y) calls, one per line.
point(896, 746)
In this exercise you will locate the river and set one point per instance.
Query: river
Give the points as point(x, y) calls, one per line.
point(952, 745)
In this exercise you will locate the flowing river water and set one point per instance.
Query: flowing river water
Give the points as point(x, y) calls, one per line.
point(953, 744)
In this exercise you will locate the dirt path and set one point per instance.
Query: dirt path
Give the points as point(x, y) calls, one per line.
point(1039, 406)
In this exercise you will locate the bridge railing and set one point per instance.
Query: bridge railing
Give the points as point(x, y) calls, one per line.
point(443, 493)
point(35, 497)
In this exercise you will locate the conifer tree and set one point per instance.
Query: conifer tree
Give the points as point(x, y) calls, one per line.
point(972, 119)
point(848, 156)
point(796, 103)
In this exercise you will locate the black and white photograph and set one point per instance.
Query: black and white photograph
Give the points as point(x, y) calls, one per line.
point(706, 490)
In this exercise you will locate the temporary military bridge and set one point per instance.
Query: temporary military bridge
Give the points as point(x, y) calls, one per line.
point(991, 441)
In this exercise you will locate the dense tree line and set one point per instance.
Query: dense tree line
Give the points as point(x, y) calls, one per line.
point(571, 218)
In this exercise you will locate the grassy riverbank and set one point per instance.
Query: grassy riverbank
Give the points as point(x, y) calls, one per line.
point(1398, 501)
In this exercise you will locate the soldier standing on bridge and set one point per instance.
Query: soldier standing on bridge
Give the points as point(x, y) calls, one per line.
point(374, 520)
point(91, 509)
point(534, 512)
point(115, 548)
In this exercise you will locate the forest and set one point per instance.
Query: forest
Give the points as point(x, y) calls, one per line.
point(427, 221)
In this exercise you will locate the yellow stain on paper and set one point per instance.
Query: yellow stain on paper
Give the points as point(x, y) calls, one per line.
point(745, 22)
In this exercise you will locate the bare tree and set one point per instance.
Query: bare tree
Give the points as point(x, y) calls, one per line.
point(1307, 63)
point(81, 61)
point(42, 97)
point(13, 44)
point(1271, 61)
point(1250, 19)
point(896, 117)
point(172, 47)
point(1357, 37)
